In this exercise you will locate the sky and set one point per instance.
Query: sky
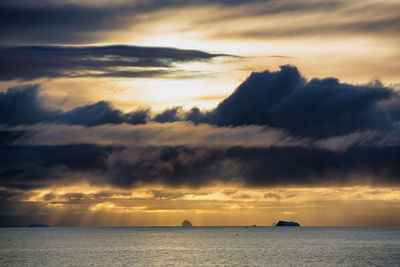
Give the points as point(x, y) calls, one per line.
point(230, 112)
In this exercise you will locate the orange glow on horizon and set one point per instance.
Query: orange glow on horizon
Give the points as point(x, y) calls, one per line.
point(230, 205)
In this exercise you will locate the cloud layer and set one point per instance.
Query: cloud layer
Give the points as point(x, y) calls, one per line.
point(276, 129)
point(282, 99)
point(319, 107)
point(33, 62)
point(28, 167)
point(42, 21)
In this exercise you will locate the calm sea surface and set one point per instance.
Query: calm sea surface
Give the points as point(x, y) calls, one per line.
point(200, 246)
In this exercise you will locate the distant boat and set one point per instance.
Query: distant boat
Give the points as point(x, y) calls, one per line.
point(38, 225)
point(284, 223)
point(253, 225)
point(186, 223)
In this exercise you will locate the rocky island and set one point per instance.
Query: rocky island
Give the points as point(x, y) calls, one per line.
point(186, 223)
point(284, 223)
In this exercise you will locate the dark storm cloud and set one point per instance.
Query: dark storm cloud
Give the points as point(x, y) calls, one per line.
point(140, 116)
point(43, 23)
point(348, 135)
point(32, 62)
point(27, 167)
point(39, 167)
point(169, 115)
point(282, 99)
point(102, 112)
point(98, 113)
point(273, 166)
point(319, 107)
point(196, 116)
point(22, 105)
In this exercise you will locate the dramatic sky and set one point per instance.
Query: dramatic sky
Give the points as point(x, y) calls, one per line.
point(229, 112)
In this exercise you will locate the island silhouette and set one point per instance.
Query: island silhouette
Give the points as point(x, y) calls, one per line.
point(186, 223)
point(284, 223)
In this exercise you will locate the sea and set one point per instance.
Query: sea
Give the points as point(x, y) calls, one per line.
point(200, 246)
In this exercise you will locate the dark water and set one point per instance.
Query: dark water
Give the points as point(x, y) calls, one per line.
point(200, 246)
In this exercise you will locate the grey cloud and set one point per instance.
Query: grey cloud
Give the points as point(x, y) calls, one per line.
point(324, 133)
point(198, 166)
point(283, 99)
point(169, 115)
point(319, 107)
point(27, 167)
point(22, 105)
point(33, 62)
point(98, 113)
point(41, 22)
point(272, 195)
point(140, 116)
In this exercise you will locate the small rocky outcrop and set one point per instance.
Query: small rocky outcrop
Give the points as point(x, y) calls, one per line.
point(186, 223)
point(284, 223)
